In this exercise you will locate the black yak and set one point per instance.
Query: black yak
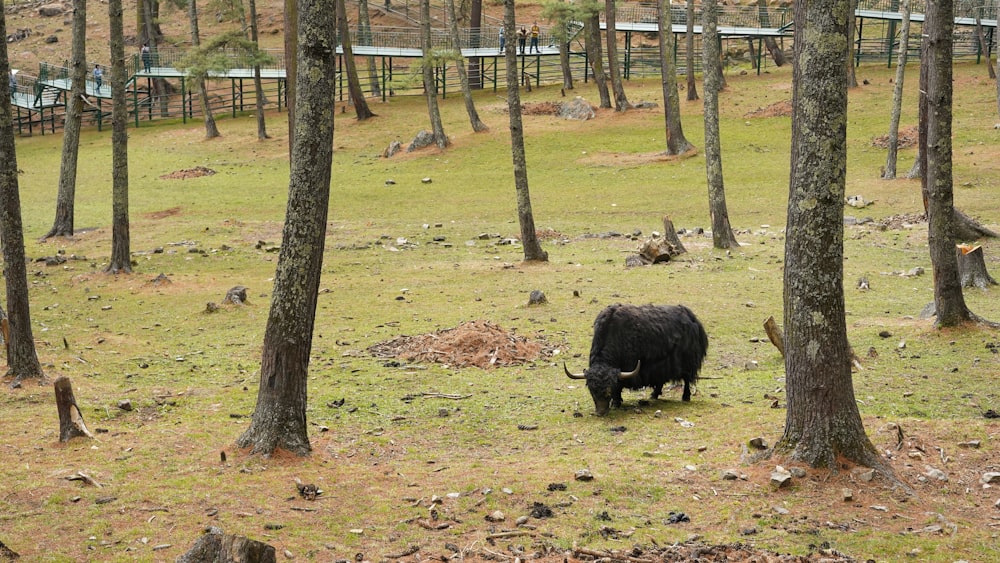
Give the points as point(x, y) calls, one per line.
point(659, 343)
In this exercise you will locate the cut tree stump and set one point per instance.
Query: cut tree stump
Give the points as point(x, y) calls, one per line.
point(71, 422)
point(237, 295)
point(972, 267)
point(656, 250)
point(670, 234)
point(218, 547)
point(775, 334)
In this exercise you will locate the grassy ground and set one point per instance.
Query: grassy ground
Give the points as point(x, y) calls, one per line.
point(382, 456)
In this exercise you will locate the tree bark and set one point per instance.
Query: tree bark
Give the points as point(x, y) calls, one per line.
point(22, 359)
point(621, 101)
point(670, 234)
point(365, 30)
point(897, 93)
point(121, 255)
point(852, 77)
point(593, 46)
point(463, 77)
point(677, 143)
point(211, 129)
point(66, 197)
point(279, 419)
point(71, 423)
point(430, 87)
point(291, 15)
point(361, 109)
point(722, 232)
point(984, 47)
point(949, 303)
point(218, 547)
point(258, 87)
point(529, 238)
point(769, 43)
point(822, 422)
point(692, 83)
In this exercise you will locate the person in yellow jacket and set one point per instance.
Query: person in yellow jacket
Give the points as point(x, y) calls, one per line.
point(534, 37)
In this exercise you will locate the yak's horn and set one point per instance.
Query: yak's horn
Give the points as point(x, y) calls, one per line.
point(573, 375)
point(629, 374)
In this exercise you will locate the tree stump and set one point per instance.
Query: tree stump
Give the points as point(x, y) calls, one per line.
point(218, 547)
point(775, 334)
point(71, 422)
point(671, 235)
point(972, 267)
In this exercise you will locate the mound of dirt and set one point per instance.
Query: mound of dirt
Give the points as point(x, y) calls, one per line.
point(901, 221)
point(777, 109)
point(734, 553)
point(196, 172)
point(474, 343)
point(906, 137)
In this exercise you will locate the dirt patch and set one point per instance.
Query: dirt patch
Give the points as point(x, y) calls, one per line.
point(164, 213)
point(906, 137)
point(777, 109)
point(732, 553)
point(196, 172)
point(631, 159)
point(474, 343)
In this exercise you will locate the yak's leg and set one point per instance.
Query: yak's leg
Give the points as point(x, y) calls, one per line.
point(657, 390)
point(687, 392)
point(616, 399)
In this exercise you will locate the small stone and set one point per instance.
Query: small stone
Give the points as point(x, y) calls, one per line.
point(521, 520)
point(758, 444)
point(934, 473)
point(865, 475)
point(991, 477)
point(797, 472)
point(125, 405)
point(729, 475)
point(780, 509)
point(584, 475)
point(443, 412)
point(496, 516)
point(289, 554)
point(847, 495)
point(426, 180)
point(780, 479)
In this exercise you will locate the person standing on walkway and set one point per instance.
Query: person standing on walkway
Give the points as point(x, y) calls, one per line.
point(147, 57)
point(534, 37)
point(98, 77)
point(13, 83)
point(503, 40)
point(522, 38)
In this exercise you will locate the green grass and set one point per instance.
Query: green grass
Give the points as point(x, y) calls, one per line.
point(192, 376)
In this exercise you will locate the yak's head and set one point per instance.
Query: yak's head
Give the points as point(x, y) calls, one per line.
point(604, 382)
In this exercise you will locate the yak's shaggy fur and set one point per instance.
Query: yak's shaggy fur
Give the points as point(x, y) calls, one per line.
point(667, 343)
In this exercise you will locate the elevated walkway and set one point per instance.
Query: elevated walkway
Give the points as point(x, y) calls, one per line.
point(40, 101)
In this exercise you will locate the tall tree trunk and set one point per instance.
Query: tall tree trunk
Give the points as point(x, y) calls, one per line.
point(430, 87)
point(593, 46)
point(279, 419)
point(852, 76)
point(365, 30)
point(996, 50)
point(769, 43)
point(529, 238)
point(677, 143)
point(361, 109)
point(722, 232)
point(621, 101)
point(291, 15)
point(258, 87)
point(211, 130)
point(66, 197)
point(121, 255)
point(949, 303)
point(692, 84)
point(822, 423)
point(463, 76)
point(897, 93)
point(21, 356)
point(148, 14)
point(476, 41)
